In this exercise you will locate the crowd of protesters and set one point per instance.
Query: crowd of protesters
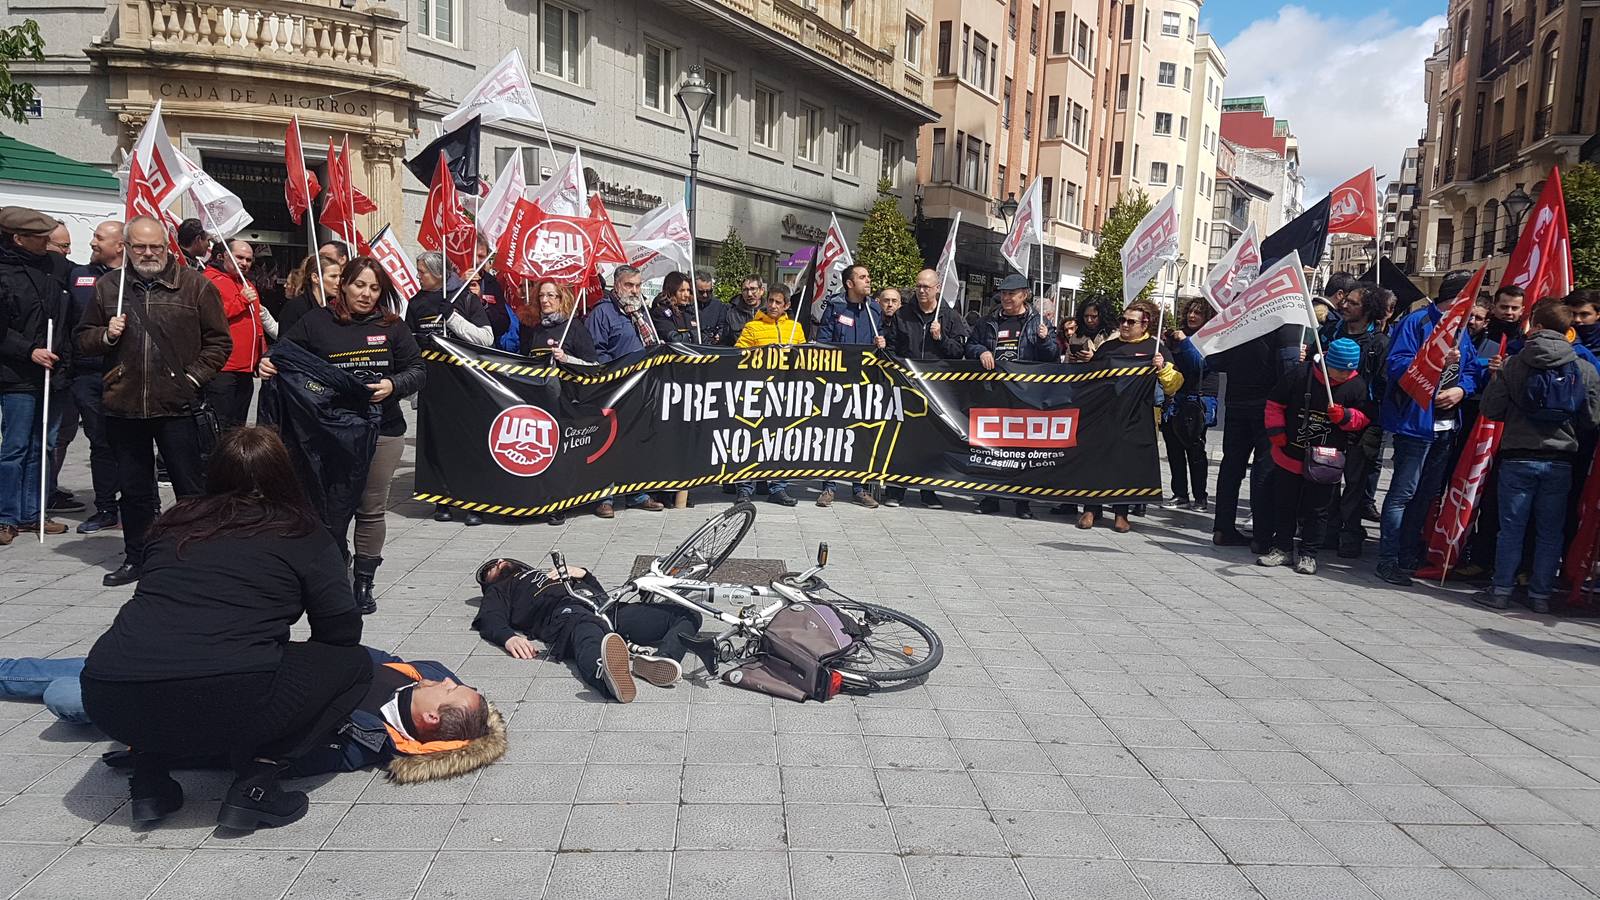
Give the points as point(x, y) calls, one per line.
point(1308, 414)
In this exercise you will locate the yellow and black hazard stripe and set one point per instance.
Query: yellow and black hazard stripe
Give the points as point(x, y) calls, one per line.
point(566, 374)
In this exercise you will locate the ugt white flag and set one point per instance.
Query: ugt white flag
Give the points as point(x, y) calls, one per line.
point(659, 243)
point(221, 211)
point(949, 282)
point(1153, 244)
point(565, 193)
point(1027, 230)
point(161, 164)
point(1234, 271)
point(495, 213)
point(1279, 297)
point(504, 93)
point(833, 257)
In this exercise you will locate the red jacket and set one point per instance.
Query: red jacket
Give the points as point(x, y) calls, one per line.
point(244, 322)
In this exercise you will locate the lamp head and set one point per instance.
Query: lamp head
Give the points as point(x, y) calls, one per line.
point(693, 95)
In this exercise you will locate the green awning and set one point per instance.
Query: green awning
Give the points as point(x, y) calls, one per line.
point(36, 165)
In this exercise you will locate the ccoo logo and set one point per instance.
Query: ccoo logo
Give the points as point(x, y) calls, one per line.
point(522, 440)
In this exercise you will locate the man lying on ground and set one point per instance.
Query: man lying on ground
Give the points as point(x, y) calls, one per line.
point(417, 721)
point(519, 602)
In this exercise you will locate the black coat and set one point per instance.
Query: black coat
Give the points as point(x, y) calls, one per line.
point(33, 290)
point(579, 343)
point(908, 333)
point(370, 350)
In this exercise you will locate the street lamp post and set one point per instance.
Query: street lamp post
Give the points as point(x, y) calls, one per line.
point(1007, 208)
point(1517, 204)
point(693, 95)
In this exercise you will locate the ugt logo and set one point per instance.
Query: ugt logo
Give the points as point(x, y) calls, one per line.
point(522, 440)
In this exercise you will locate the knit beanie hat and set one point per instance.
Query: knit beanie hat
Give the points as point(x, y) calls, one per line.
point(1343, 354)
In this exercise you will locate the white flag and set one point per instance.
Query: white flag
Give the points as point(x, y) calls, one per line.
point(564, 194)
point(221, 211)
point(161, 163)
point(1279, 297)
point(1153, 244)
point(396, 262)
point(949, 281)
point(504, 93)
point(833, 257)
point(1027, 229)
point(1234, 271)
point(495, 214)
point(660, 243)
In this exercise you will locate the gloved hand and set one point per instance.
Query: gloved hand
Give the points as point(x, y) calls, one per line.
point(1336, 413)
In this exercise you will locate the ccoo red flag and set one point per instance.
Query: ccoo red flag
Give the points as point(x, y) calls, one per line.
point(1421, 378)
point(1542, 263)
point(1457, 508)
point(1354, 206)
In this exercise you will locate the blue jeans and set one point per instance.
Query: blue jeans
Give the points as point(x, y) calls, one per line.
point(1419, 470)
point(19, 457)
point(55, 681)
point(1536, 490)
point(748, 489)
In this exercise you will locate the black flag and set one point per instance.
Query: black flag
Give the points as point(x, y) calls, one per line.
point(460, 149)
point(803, 300)
point(1405, 292)
point(1308, 233)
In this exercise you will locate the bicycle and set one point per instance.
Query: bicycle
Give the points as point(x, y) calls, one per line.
point(894, 648)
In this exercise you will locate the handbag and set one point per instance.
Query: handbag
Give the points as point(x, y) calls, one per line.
point(1324, 465)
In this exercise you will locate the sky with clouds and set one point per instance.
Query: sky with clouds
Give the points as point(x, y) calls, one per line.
point(1347, 76)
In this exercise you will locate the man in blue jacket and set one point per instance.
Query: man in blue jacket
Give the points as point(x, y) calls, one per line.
point(1423, 435)
point(852, 318)
point(621, 325)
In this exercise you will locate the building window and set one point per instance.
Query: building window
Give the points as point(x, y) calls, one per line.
point(940, 160)
point(660, 76)
point(979, 71)
point(1163, 123)
point(1079, 134)
point(1070, 202)
point(972, 165)
point(765, 108)
point(1047, 196)
point(1158, 173)
point(1188, 78)
point(1167, 74)
point(1052, 117)
point(944, 48)
point(1116, 158)
point(845, 147)
point(889, 160)
point(560, 41)
point(847, 15)
point(1190, 26)
point(808, 143)
point(1058, 32)
point(1005, 105)
point(1127, 22)
point(913, 42)
point(719, 112)
point(1011, 18)
point(1027, 115)
point(1002, 182)
point(1122, 91)
point(437, 19)
point(1033, 31)
point(1210, 137)
point(1141, 94)
point(1084, 49)
point(1177, 180)
point(1183, 128)
point(1171, 24)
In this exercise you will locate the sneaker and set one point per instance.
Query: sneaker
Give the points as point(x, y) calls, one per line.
point(657, 670)
point(1175, 503)
point(442, 513)
point(8, 533)
point(51, 526)
point(1200, 505)
point(63, 501)
point(931, 500)
point(891, 501)
point(1306, 564)
point(744, 495)
point(1392, 573)
point(1489, 598)
point(1273, 557)
point(825, 498)
point(781, 498)
point(1540, 605)
point(472, 519)
point(1369, 513)
point(864, 498)
point(615, 668)
point(100, 521)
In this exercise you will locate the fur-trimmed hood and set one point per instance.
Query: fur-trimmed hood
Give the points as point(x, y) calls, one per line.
point(440, 765)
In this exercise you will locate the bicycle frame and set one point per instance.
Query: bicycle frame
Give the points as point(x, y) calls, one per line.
point(672, 588)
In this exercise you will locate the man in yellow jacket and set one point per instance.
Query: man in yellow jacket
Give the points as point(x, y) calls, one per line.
point(771, 325)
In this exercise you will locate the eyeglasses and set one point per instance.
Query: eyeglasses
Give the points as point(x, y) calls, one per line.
point(147, 249)
point(1132, 321)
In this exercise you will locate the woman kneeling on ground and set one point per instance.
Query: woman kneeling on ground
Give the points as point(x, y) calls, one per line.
point(200, 663)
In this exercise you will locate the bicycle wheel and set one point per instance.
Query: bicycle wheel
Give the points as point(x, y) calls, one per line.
point(897, 647)
point(711, 543)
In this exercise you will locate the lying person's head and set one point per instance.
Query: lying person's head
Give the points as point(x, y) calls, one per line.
point(448, 711)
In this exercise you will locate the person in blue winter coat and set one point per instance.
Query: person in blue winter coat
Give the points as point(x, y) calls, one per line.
point(1423, 434)
point(852, 318)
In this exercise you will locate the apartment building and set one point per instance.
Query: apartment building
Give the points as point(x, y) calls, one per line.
point(1274, 153)
point(1239, 198)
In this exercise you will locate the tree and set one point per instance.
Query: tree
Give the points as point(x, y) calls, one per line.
point(887, 247)
point(18, 42)
point(1581, 187)
point(1102, 277)
point(733, 267)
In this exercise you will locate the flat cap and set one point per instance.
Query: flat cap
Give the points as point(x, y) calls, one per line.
point(22, 220)
point(1014, 282)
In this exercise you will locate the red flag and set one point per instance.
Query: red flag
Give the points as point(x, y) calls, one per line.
point(1354, 207)
point(301, 187)
point(608, 244)
point(537, 245)
point(1457, 508)
point(1542, 263)
point(1421, 379)
point(144, 200)
point(1585, 548)
point(461, 248)
point(442, 216)
point(337, 212)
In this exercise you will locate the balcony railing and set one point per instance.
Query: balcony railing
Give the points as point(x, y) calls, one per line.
point(290, 30)
point(1449, 170)
point(1506, 147)
point(1491, 57)
point(1469, 248)
point(1542, 121)
point(1480, 162)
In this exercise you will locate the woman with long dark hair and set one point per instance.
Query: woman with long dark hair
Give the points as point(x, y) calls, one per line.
point(199, 662)
point(1097, 323)
point(673, 309)
point(355, 332)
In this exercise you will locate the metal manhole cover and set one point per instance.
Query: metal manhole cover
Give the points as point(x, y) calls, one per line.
point(734, 570)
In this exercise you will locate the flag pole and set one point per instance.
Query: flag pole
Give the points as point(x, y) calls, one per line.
point(1161, 312)
point(467, 280)
point(583, 296)
point(1322, 360)
point(44, 428)
point(122, 280)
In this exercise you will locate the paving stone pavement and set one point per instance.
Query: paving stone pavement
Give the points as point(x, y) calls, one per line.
point(1117, 716)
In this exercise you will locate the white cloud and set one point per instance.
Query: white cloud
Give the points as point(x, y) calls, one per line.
point(1350, 88)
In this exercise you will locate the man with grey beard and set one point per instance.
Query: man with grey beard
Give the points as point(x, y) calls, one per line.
point(621, 325)
point(163, 341)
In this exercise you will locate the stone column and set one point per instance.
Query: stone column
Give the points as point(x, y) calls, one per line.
point(380, 158)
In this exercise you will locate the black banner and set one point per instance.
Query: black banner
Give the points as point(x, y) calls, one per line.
point(520, 436)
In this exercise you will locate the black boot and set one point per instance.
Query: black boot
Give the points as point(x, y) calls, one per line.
point(254, 800)
point(366, 567)
point(152, 792)
point(704, 647)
